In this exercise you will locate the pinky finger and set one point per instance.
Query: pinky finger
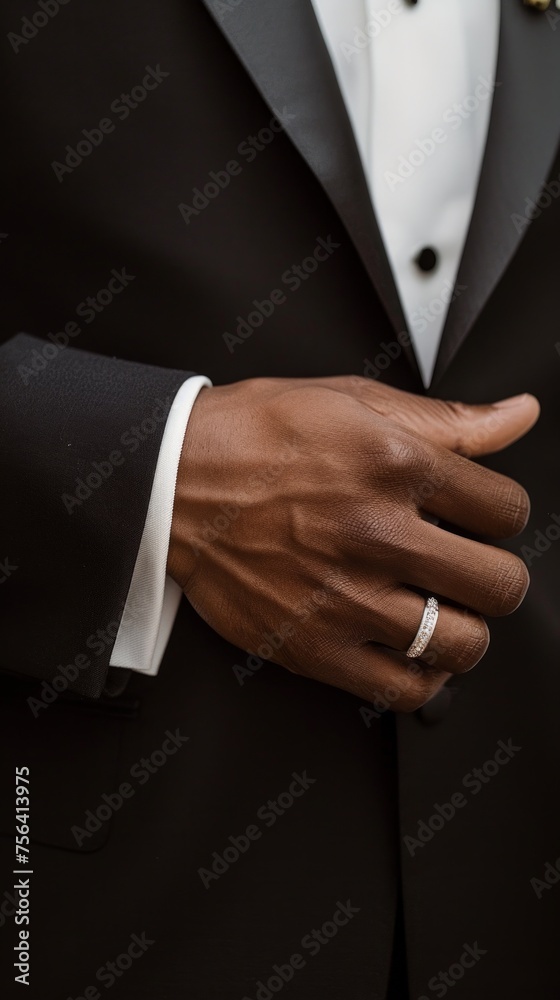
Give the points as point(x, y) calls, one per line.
point(383, 676)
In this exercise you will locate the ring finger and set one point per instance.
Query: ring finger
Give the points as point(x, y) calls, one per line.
point(459, 640)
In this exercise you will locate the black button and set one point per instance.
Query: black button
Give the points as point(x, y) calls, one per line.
point(427, 259)
point(436, 708)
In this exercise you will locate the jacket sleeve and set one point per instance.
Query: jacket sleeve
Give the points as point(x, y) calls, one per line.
point(79, 441)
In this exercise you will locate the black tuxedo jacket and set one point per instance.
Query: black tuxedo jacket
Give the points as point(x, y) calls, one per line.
point(168, 167)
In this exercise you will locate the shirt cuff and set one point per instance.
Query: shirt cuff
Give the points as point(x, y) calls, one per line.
point(153, 597)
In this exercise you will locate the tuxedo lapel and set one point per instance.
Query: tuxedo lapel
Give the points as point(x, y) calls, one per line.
point(282, 48)
point(522, 140)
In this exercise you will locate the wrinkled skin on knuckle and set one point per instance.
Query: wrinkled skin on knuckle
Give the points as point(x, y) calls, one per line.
point(365, 605)
point(384, 400)
point(516, 506)
point(316, 409)
point(396, 458)
point(334, 662)
point(509, 586)
point(378, 531)
point(413, 698)
point(400, 696)
point(416, 688)
point(456, 416)
point(473, 644)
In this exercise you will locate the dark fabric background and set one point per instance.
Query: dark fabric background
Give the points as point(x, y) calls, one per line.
point(343, 839)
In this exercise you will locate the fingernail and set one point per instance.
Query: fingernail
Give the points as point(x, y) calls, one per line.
point(512, 401)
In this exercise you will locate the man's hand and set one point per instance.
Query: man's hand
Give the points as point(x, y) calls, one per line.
point(300, 523)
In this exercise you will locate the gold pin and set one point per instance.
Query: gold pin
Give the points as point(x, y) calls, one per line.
point(537, 4)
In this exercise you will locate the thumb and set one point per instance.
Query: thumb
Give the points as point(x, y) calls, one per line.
point(471, 430)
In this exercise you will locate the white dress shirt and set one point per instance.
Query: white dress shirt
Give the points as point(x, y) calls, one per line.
point(417, 81)
point(153, 597)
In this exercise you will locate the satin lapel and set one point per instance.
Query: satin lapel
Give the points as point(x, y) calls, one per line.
point(522, 140)
point(281, 46)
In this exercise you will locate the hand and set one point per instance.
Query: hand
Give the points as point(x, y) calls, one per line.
point(298, 526)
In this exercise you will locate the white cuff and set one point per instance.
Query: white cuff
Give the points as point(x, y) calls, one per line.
point(153, 597)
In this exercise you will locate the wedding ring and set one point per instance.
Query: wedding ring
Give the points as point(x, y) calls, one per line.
point(426, 630)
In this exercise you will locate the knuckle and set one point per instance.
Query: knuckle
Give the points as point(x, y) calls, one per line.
point(509, 587)
point(455, 414)
point(417, 691)
point(455, 409)
point(409, 701)
point(397, 456)
point(382, 532)
point(516, 506)
point(426, 484)
point(474, 642)
point(356, 530)
point(359, 383)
